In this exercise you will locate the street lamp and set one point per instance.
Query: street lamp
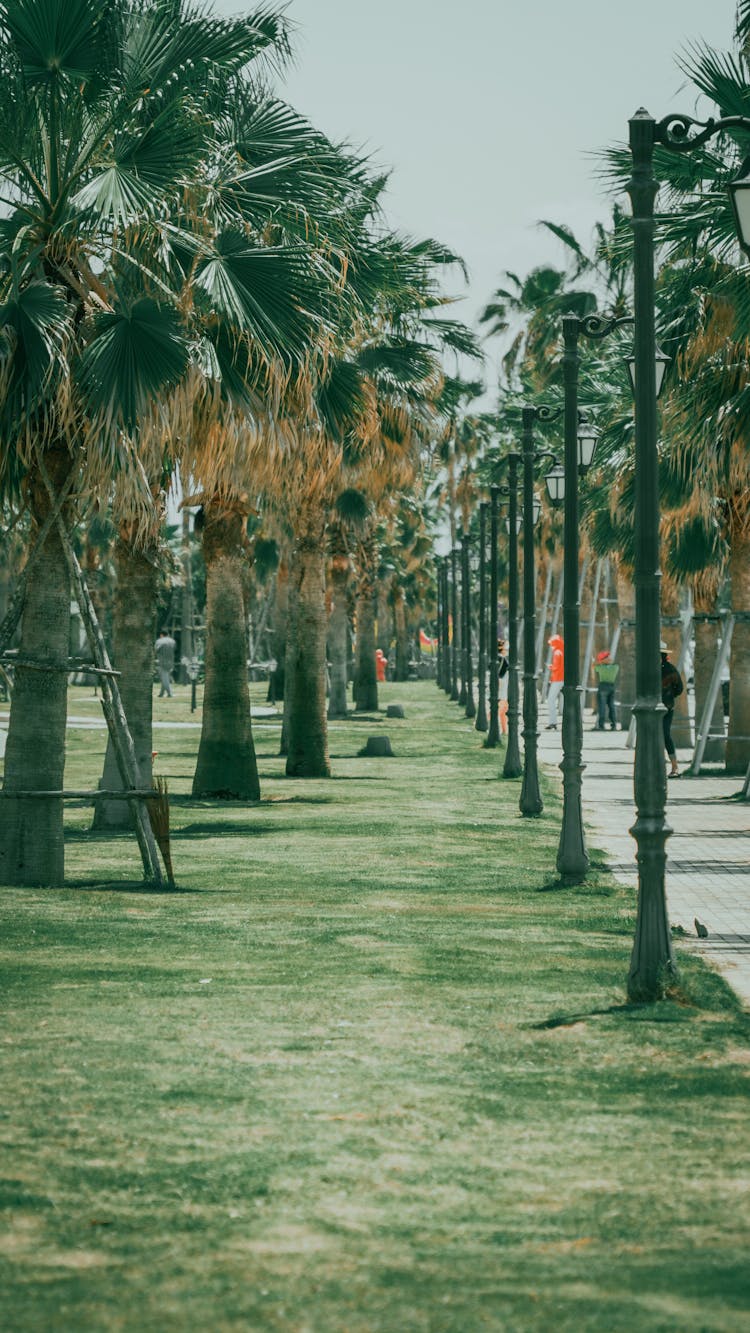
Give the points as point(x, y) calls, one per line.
point(661, 362)
point(439, 621)
point(652, 954)
point(455, 636)
point(493, 733)
point(530, 801)
point(580, 443)
point(446, 677)
point(468, 684)
point(512, 767)
point(555, 480)
point(481, 722)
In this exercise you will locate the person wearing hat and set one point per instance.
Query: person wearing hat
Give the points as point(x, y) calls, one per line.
point(671, 686)
point(556, 679)
point(606, 672)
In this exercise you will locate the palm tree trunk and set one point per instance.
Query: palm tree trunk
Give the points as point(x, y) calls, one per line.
point(365, 678)
point(306, 663)
point(134, 632)
point(738, 740)
point(670, 605)
point(706, 639)
point(338, 636)
point(31, 831)
point(278, 633)
point(402, 633)
point(226, 766)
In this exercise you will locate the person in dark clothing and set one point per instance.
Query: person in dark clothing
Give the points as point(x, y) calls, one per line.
point(606, 674)
point(671, 687)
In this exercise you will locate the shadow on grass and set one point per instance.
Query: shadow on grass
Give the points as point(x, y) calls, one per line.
point(582, 890)
point(212, 828)
point(129, 886)
point(569, 1020)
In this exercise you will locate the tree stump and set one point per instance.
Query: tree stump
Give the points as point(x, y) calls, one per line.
point(377, 747)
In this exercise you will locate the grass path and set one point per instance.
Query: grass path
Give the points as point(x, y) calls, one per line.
point(366, 1072)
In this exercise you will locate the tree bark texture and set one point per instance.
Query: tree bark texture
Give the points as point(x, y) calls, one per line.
point(401, 671)
point(706, 647)
point(670, 606)
point(307, 755)
point(365, 675)
point(134, 632)
point(31, 831)
point(738, 741)
point(338, 636)
point(226, 766)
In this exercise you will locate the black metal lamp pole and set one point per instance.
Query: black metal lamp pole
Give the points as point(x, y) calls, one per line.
point(530, 802)
point(458, 629)
point(512, 768)
point(439, 621)
point(493, 734)
point(455, 637)
point(471, 708)
point(481, 722)
point(572, 857)
point(446, 677)
point(652, 955)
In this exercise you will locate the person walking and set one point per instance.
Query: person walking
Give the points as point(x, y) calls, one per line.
point(606, 672)
point(503, 680)
point(556, 679)
point(165, 649)
point(671, 687)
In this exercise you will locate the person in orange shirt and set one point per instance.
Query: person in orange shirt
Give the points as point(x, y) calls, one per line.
point(556, 678)
point(381, 662)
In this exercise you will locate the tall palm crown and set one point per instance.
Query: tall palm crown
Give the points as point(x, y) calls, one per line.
point(122, 181)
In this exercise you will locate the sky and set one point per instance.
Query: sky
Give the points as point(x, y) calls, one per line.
point(488, 112)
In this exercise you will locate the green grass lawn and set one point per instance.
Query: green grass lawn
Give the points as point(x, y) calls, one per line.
point(368, 1070)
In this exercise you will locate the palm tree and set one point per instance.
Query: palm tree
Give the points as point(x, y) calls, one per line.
point(102, 125)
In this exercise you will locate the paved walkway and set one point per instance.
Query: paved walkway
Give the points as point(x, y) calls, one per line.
point(708, 866)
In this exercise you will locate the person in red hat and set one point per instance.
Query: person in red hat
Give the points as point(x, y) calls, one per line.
point(606, 672)
point(556, 679)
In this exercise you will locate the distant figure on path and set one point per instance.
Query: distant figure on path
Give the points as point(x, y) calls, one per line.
point(606, 674)
point(671, 686)
point(556, 679)
point(165, 649)
point(381, 662)
point(503, 680)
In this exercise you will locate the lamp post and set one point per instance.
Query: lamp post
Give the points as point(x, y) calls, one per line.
point(455, 637)
point(481, 723)
point(530, 802)
point(652, 954)
point(468, 686)
point(512, 768)
point(439, 621)
point(446, 677)
point(580, 442)
point(493, 733)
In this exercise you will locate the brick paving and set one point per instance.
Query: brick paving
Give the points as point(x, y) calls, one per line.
point(708, 866)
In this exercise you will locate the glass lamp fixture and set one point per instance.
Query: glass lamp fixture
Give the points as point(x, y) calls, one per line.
point(519, 523)
point(587, 438)
point(662, 361)
point(537, 508)
point(555, 480)
point(739, 194)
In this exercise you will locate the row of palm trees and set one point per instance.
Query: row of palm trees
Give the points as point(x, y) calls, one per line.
point(195, 279)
